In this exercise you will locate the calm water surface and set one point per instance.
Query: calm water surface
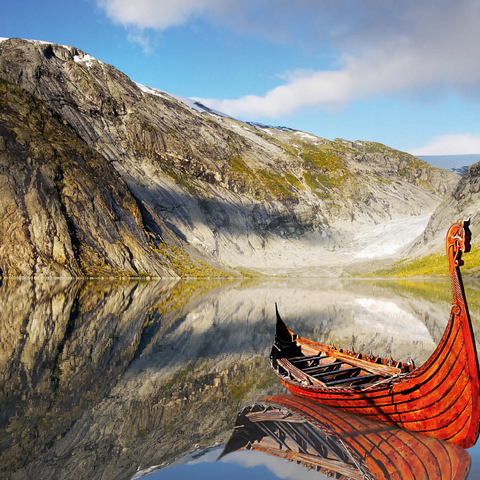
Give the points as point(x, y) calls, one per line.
point(121, 380)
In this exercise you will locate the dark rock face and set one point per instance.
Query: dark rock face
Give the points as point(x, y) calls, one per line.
point(181, 191)
point(57, 194)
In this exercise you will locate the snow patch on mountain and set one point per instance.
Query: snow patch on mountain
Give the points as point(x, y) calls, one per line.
point(189, 102)
point(307, 136)
point(387, 238)
point(85, 58)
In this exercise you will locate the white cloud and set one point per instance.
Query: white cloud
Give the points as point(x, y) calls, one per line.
point(465, 144)
point(138, 36)
point(384, 47)
point(158, 14)
point(280, 467)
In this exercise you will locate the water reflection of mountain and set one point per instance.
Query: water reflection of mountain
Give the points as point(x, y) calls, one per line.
point(99, 378)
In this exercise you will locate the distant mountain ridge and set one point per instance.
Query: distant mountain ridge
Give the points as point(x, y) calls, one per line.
point(456, 163)
point(198, 194)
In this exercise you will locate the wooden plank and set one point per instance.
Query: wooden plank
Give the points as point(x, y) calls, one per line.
point(319, 368)
point(361, 378)
point(338, 373)
point(307, 358)
point(273, 416)
point(383, 370)
point(297, 373)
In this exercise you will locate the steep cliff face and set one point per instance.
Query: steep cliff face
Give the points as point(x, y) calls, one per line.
point(209, 188)
point(462, 203)
point(57, 194)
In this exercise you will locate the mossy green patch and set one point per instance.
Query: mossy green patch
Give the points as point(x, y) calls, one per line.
point(239, 166)
point(325, 168)
point(316, 186)
point(147, 127)
point(245, 272)
point(187, 185)
point(431, 265)
point(293, 180)
point(274, 183)
point(321, 158)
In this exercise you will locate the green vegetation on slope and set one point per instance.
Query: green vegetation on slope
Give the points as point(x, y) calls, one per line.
point(430, 265)
point(185, 266)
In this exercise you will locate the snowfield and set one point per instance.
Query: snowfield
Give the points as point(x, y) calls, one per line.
point(388, 238)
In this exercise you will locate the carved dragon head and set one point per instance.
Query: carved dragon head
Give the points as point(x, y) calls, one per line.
point(458, 242)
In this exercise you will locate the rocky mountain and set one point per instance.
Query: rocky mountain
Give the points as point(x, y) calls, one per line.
point(462, 203)
point(105, 177)
point(57, 194)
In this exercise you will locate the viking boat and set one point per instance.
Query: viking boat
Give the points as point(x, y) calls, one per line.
point(441, 398)
point(342, 445)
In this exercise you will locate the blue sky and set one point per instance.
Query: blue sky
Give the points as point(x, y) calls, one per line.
point(404, 73)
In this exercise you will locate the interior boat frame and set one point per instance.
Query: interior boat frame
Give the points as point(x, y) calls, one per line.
point(441, 398)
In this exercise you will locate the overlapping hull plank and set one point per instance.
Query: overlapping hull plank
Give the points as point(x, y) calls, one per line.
point(341, 445)
point(440, 399)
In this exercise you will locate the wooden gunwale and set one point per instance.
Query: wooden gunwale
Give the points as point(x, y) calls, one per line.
point(441, 398)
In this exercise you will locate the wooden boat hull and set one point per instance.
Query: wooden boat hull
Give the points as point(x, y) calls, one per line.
point(342, 445)
point(440, 399)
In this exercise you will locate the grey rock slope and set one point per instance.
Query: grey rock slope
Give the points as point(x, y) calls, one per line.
point(57, 194)
point(462, 203)
point(207, 190)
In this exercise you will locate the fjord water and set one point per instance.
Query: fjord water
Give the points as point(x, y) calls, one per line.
point(117, 380)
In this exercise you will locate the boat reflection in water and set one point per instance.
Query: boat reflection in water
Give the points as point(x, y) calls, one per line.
point(342, 445)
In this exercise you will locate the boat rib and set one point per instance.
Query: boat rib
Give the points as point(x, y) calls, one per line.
point(441, 398)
